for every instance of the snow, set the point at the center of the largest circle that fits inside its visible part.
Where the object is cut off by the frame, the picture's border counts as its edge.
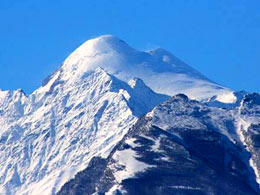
(114, 190)
(156, 145)
(165, 158)
(84, 110)
(186, 188)
(181, 113)
(256, 170)
(127, 159)
(166, 75)
(53, 133)
(132, 143)
(166, 121)
(247, 116)
(242, 126)
(180, 116)
(227, 98)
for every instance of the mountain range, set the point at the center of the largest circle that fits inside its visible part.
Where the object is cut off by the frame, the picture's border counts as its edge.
(115, 120)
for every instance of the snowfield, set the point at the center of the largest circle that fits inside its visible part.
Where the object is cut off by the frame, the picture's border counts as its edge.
(49, 136)
(159, 69)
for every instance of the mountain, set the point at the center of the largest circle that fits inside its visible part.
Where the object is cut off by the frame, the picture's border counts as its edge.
(81, 113)
(159, 69)
(50, 135)
(249, 128)
(229, 100)
(181, 147)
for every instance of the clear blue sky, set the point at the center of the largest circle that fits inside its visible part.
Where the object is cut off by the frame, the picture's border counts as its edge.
(220, 38)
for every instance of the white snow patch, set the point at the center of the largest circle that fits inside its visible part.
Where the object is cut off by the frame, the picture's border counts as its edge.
(156, 145)
(227, 98)
(243, 123)
(253, 165)
(147, 137)
(242, 126)
(132, 143)
(185, 187)
(114, 189)
(131, 166)
(166, 158)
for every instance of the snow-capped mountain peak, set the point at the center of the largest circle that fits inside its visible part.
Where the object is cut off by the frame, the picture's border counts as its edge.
(85, 108)
(104, 51)
(159, 69)
(47, 137)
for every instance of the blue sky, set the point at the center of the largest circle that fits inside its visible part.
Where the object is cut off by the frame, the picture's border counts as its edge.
(220, 38)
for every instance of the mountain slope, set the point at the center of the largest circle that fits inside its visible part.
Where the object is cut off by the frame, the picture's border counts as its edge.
(82, 111)
(180, 147)
(11, 107)
(160, 70)
(249, 128)
(54, 132)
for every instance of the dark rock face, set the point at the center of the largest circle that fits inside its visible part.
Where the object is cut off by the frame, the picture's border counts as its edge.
(181, 147)
(87, 180)
(195, 166)
(250, 113)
